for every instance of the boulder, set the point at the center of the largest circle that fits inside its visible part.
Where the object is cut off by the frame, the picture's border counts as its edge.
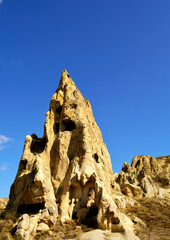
(42, 227)
(148, 187)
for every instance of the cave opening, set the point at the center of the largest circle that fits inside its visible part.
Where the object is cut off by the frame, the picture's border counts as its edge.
(96, 157)
(59, 109)
(74, 216)
(115, 220)
(91, 217)
(56, 128)
(68, 125)
(23, 164)
(38, 145)
(30, 208)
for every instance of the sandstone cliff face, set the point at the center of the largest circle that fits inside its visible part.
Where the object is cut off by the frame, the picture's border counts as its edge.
(66, 174)
(146, 177)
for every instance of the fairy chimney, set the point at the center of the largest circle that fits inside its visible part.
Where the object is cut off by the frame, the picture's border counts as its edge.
(67, 173)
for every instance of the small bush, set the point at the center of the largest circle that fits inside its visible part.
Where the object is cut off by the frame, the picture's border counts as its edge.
(86, 100)
(163, 180)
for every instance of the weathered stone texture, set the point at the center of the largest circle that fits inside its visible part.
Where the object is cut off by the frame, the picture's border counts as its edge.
(146, 177)
(67, 173)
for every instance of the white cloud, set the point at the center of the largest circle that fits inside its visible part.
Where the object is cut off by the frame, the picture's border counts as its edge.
(1, 1)
(3, 168)
(3, 140)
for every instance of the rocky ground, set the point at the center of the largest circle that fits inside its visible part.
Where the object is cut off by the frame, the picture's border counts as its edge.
(155, 214)
(69, 230)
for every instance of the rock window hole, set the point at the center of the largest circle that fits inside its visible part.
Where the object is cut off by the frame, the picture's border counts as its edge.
(96, 157)
(38, 145)
(68, 75)
(59, 109)
(68, 125)
(23, 164)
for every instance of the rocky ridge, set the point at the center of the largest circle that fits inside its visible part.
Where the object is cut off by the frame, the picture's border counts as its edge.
(145, 177)
(67, 175)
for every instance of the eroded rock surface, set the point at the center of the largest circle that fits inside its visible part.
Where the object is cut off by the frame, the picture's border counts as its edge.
(145, 177)
(66, 174)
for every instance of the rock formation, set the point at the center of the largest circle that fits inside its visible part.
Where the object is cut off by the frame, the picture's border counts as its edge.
(146, 177)
(66, 174)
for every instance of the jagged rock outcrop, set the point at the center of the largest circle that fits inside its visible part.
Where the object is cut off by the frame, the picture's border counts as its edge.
(145, 177)
(66, 174)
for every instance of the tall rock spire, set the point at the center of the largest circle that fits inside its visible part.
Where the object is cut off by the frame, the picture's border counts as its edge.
(67, 173)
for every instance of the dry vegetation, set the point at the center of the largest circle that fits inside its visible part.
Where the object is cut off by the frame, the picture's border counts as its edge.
(162, 180)
(69, 230)
(155, 213)
(7, 223)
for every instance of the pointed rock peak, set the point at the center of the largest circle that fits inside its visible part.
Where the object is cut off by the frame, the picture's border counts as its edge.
(65, 73)
(67, 174)
(65, 79)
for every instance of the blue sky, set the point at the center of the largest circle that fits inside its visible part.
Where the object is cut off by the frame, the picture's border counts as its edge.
(118, 54)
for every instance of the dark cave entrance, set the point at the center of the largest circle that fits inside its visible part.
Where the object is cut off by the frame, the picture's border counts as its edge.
(38, 145)
(96, 157)
(30, 208)
(68, 125)
(23, 164)
(56, 128)
(59, 109)
(91, 217)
